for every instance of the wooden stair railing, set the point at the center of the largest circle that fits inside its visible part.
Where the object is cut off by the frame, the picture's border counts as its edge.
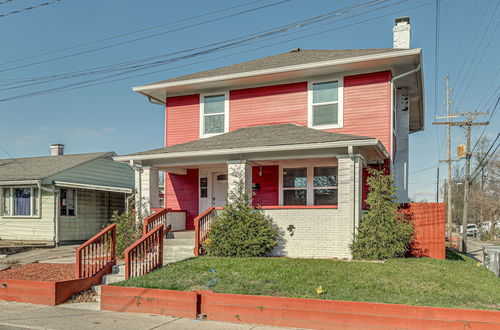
(146, 254)
(202, 224)
(96, 253)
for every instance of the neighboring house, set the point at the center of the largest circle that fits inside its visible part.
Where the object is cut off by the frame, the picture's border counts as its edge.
(302, 126)
(61, 198)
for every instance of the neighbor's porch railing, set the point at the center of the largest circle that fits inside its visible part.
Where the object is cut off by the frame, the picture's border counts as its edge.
(146, 254)
(202, 224)
(96, 253)
(160, 216)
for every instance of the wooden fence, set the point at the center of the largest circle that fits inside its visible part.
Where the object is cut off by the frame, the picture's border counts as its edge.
(146, 254)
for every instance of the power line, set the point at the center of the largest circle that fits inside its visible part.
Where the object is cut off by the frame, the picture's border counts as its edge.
(19, 163)
(29, 8)
(257, 36)
(143, 38)
(484, 161)
(484, 129)
(89, 83)
(127, 33)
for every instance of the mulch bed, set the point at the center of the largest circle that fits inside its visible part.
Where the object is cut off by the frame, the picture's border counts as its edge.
(40, 272)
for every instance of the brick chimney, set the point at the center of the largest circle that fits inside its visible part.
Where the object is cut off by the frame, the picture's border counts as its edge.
(402, 33)
(56, 149)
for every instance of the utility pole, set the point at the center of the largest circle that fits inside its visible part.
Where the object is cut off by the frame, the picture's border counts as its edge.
(437, 185)
(449, 215)
(471, 116)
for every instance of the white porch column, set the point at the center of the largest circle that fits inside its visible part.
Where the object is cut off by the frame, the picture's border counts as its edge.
(401, 149)
(350, 175)
(147, 186)
(238, 168)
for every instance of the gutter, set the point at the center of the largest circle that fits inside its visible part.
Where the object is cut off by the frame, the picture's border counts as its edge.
(406, 73)
(218, 152)
(305, 66)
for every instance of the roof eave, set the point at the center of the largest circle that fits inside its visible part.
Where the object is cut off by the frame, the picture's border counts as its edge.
(248, 150)
(315, 65)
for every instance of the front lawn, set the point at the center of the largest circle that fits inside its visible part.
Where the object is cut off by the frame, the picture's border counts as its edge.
(456, 282)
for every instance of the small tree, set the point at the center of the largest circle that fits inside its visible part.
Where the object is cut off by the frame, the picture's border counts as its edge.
(128, 230)
(240, 230)
(383, 232)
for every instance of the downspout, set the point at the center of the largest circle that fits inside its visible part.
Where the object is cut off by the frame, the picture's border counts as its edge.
(56, 211)
(350, 151)
(139, 189)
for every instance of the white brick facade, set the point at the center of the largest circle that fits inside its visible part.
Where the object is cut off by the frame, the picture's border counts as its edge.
(324, 232)
(147, 180)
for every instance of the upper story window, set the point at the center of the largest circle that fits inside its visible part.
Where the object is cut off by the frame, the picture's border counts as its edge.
(20, 201)
(213, 115)
(325, 104)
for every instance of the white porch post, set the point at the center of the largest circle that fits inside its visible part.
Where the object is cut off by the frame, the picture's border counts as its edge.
(147, 185)
(234, 170)
(350, 177)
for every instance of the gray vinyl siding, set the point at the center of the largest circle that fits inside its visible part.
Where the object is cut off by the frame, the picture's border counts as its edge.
(34, 229)
(101, 172)
(94, 210)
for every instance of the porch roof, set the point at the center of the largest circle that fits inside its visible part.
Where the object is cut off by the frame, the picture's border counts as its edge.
(259, 139)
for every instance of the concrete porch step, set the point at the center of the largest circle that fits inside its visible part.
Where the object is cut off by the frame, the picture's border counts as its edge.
(181, 234)
(112, 278)
(179, 248)
(179, 241)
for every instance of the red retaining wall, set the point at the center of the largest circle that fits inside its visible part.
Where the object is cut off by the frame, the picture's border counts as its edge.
(293, 312)
(150, 301)
(429, 220)
(48, 293)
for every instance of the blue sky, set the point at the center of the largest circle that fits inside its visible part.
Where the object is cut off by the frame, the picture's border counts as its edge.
(112, 117)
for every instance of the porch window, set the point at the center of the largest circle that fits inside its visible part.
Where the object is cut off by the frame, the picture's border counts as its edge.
(20, 201)
(325, 185)
(295, 186)
(214, 114)
(325, 110)
(68, 202)
(312, 185)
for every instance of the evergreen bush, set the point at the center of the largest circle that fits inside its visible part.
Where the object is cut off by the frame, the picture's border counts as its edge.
(239, 230)
(128, 230)
(383, 232)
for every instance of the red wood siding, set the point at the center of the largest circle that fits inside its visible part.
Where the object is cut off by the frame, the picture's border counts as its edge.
(267, 195)
(182, 119)
(268, 105)
(367, 106)
(182, 194)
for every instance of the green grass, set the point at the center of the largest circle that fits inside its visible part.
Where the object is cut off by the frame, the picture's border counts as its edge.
(456, 282)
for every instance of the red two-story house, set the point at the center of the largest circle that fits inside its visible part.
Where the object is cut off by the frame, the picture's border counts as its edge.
(302, 126)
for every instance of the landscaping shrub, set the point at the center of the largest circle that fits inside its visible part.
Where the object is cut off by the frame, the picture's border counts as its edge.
(128, 230)
(240, 230)
(383, 232)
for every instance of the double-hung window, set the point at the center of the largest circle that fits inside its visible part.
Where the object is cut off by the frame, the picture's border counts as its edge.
(20, 201)
(68, 202)
(311, 185)
(213, 115)
(325, 106)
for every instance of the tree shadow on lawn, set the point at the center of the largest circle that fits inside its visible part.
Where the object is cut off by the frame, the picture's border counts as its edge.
(452, 254)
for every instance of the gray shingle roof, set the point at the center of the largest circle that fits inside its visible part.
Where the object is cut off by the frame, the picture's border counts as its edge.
(258, 136)
(37, 168)
(282, 60)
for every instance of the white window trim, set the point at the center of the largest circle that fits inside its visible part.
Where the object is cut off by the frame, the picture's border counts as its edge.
(202, 113)
(76, 203)
(340, 102)
(11, 202)
(310, 184)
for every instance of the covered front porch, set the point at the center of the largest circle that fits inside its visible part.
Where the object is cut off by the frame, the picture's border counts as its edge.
(313, 191)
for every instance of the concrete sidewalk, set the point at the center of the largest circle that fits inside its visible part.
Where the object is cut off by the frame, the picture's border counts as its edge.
(28, 316)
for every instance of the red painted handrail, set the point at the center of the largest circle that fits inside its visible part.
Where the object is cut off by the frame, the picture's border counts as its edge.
(160, 216)
(96, 253)
(202, 225)
(146, 254)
